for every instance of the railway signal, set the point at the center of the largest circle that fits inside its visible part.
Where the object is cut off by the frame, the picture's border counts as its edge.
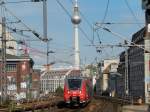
(3, 76)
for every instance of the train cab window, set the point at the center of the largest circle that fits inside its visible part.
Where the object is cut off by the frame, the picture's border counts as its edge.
(74, 84)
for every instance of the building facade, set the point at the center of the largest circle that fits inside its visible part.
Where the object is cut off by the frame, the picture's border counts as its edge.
(136, 66)
(106, 69)
(51, 80)
(136, 78)
(18, 71)
(9, 43)
(121, 80)
(36, 83)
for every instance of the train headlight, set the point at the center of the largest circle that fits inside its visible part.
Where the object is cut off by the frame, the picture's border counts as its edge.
(68, 92)
(80, 92)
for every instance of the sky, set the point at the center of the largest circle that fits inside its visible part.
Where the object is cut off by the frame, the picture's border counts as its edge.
(60, 28)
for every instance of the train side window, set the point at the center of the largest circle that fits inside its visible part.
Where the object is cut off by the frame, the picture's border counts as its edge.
(87, 88)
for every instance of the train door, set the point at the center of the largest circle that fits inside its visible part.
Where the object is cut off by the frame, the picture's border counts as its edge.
(87, 91)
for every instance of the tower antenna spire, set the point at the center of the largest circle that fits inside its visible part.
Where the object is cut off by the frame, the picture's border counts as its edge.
(76, 3)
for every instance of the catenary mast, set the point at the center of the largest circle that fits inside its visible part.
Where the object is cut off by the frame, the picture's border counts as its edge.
(76, 21)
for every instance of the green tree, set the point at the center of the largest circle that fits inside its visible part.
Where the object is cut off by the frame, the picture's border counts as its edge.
(31, 63)
(93, 69)
(59, 90)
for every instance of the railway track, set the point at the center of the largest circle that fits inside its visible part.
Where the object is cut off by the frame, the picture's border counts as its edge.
(114, 100)
(56, 104)
(96, 105)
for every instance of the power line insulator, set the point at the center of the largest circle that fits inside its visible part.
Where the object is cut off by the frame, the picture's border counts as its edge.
(37, 0)
(98, 50)
(14, 30)
(10, 47)
(21, 42)
(125, 42)
(45, 39)
(36, 34)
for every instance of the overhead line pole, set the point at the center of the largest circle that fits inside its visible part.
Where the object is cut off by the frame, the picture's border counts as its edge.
(4, 75)
(126, 73)
(45, 30)
(45, 19)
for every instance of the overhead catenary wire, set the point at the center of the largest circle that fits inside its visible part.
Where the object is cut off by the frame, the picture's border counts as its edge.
(86, 36)
(62, 6)
(115, 45)
(61, 44)
(90, 25)
(103, 20)
(44, 53)
(122, 37)
(25, 1)
(106, 12)
(107, 56)
(116, 23)
(18, 32)
(86, 20)
(130, 9)
(80, 28)
(15, 30)
(11, 26)
(33, 31)
(17, 18)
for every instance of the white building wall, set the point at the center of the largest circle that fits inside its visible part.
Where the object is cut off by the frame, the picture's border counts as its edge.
(105, 82)
(9, 43)
(50, 82)
(107, 62)
(104, 79)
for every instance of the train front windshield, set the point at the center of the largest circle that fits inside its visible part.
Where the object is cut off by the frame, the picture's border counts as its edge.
(74, 84)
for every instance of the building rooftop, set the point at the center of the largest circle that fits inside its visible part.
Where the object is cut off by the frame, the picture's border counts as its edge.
(139, 35)
(61, 72)
(10, 57)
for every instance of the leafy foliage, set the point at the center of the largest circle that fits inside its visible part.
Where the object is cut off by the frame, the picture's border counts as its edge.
(93, 69)
(59, 90)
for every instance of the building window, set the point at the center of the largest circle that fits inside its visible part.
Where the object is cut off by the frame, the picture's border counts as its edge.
(11, 67)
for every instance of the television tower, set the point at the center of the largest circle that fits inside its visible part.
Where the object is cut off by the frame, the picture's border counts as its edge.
(76, 21)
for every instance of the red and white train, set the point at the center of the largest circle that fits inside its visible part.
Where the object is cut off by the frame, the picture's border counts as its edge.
(78, 90)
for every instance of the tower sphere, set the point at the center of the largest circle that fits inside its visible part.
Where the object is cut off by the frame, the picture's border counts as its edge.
(76, 19)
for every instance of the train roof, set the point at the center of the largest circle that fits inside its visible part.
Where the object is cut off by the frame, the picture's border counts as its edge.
(77, 77)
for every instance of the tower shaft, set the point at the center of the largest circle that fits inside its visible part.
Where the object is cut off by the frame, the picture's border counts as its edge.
(76, 21)
(77, 52)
